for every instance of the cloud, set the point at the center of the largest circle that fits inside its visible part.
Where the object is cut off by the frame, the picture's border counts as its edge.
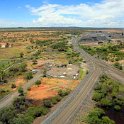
(108, 13)
(14, 23)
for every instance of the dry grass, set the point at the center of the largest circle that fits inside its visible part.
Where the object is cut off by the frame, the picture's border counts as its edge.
(12, 52)
(122, 50)
(18, 82)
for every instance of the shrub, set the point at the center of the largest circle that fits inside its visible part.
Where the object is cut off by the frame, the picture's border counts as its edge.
(118, 65)
(21, 55)
(107, 120)
(29, 89)
(13, 86)
(29, 75)
(56, 99)
(34, 61)
(20, 91)
(97, 96)
(23, 119)
(94, 116)
(60, 46)
(19, 104)
(36, 111)
(47, 103)
(2, 91)
(38, 82)
(63, 93)
(105, 102)
(117, 107)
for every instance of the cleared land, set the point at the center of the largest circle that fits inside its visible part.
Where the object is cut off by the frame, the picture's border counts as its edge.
(49, 87)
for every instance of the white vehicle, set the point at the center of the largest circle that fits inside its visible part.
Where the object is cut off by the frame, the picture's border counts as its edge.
(34, 71)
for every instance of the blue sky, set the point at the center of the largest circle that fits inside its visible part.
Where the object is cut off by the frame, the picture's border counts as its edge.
(83, 13)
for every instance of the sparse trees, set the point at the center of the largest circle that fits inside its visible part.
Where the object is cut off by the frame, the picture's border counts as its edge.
(97, 116)
(107, 95)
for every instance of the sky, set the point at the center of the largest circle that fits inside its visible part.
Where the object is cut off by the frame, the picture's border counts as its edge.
(62, 13)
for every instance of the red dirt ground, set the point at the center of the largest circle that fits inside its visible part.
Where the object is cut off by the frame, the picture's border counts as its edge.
(49, 87)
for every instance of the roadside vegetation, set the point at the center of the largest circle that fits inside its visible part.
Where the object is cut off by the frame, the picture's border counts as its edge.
(109, 52)
(24, 112)
(109, 96)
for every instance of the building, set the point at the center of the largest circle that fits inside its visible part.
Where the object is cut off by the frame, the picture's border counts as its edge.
(5, 45)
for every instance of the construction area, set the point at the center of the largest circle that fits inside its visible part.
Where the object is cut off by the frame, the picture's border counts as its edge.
(64, 71)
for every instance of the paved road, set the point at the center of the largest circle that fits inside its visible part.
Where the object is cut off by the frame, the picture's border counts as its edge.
(108, 69)
(7, 100)
(65, 113)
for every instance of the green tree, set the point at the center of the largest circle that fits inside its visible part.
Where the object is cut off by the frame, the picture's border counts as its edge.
(47, 103)
(20, 104)
(97, 96)
(63, 93)
(23, 119)
(97, 116)
(106, 102)
(107, 120)
(94, 117)
(37, 111)
(21, 91)
(56, 99)
(6, 115)
(29, 75)
(117, 107)
(22, 67)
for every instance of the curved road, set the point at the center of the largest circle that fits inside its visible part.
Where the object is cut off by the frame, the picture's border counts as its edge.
(65, 113)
